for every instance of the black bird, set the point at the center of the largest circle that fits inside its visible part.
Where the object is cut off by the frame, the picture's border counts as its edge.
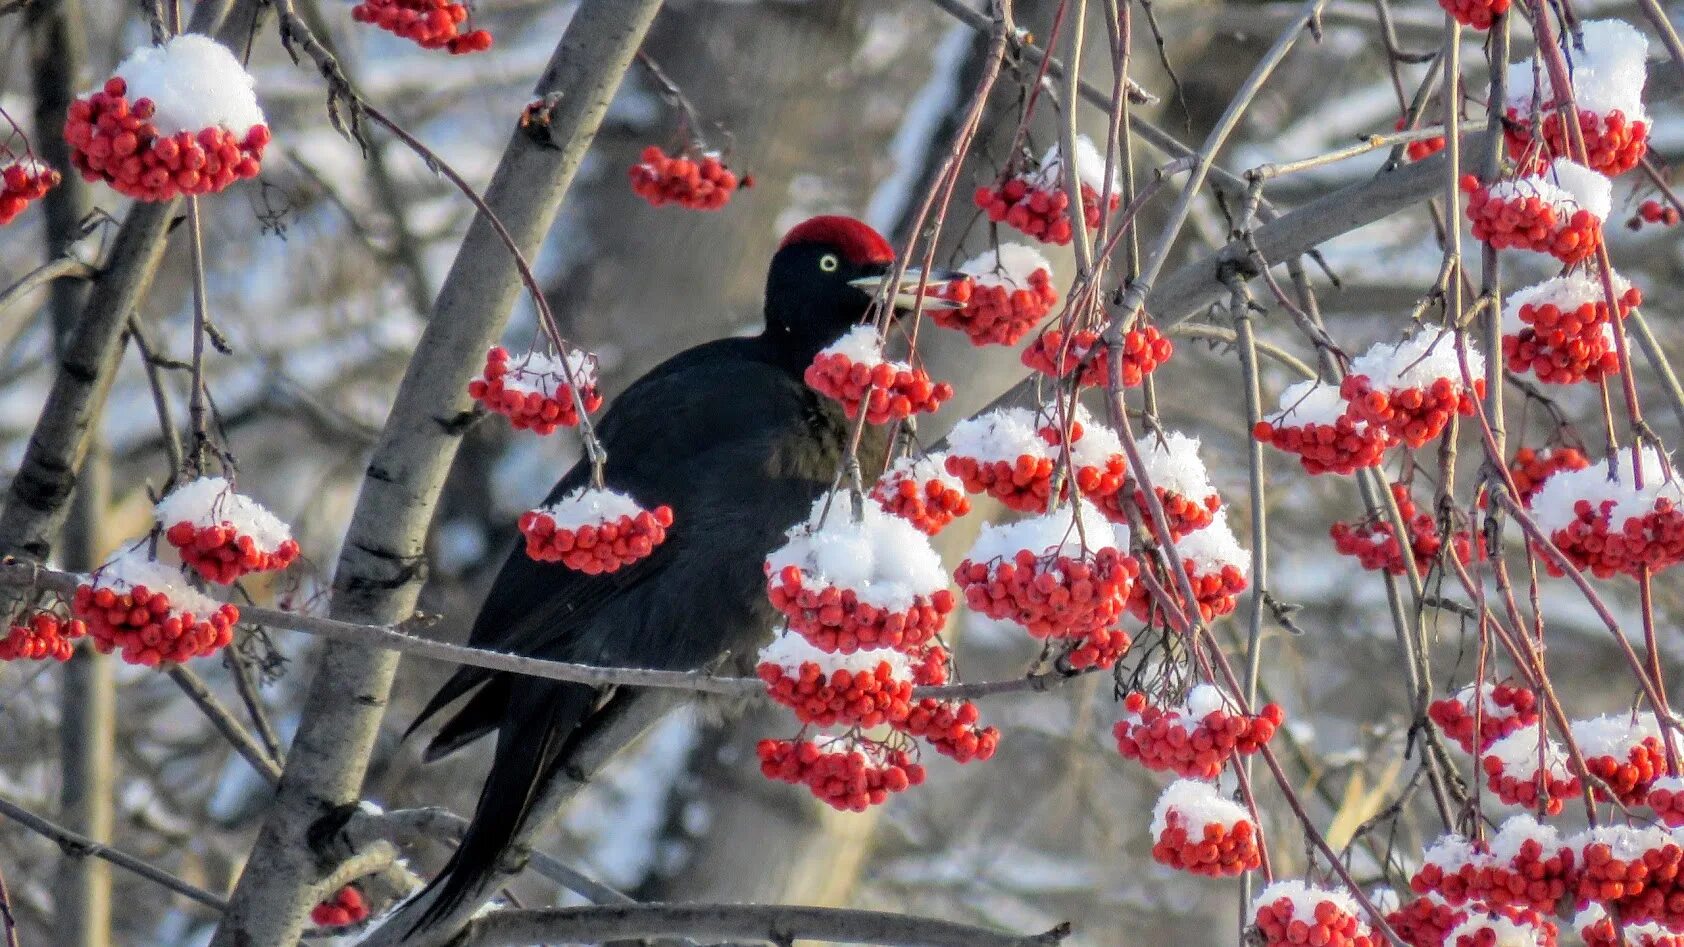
(730, 437)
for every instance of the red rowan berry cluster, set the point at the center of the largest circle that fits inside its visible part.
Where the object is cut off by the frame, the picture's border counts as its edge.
(1530, 468)
(1179, 479)
(1632, 872)
(1560, 330)
(1413, 388)
(1292, 913)
(1424, 922)
(1002, 454)
(950, 728)
(1624, 753)
(1217, 568)
(1597, 929)
(1375, 545)
(1649, 212)
(1097, 649)
(1144, 349)
(1424, 148)
(1609, 526)
(40, 635)
(699, 183)
(1666, 797)
(430, 24)
(1036, 202)
(1503, 927)
(1450, 869)
(222, 534)
(533, 390)
(1005, 292)
(1195, 829)
(1315, 423)
(1514, 771)
(594, 531)
(1038, 573)
(922, 492)
(848, 585)
(345, 908)
(1196, 739)
(1607, 76)
(864, 688)
(1475, 14)
(23, 180)
(853, 371)
(1614, 143)
(146, 610)
(1506, 708)
(854, 778)
(930, 665)
(1558, 212)
(1526, 865)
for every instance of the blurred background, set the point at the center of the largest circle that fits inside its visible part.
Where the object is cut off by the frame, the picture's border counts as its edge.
(322, 274)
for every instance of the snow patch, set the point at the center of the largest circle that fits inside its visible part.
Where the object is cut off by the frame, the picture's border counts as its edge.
(1311, 402)
(133, 566)
(1199, 804)
(195, 82)
(1172, 463)
(1051, 534)
(886, 561)
(1417, 361)
(590, 507)
(1010, 266)
(211, 501)
(790, 651)
(1215, 547)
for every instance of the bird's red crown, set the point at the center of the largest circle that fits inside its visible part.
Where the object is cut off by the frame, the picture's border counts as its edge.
(857, 241)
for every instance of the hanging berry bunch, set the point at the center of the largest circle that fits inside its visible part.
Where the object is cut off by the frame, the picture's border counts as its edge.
(39, 634)
(430, 24)
(1650, 211)
(1034, 200)
(181, 118)
(1450, 868)
(1425, 921)
(1504, 708)
(1317, 424)
(1560, 331)
(1530, 468)
(1095, 460)
(922, 492)
(1633, 872)
(847, 775)
(1606, 524)
(950, 728)
(1056, 354)
(221, 534)
(1413, 388)
(1195, 739)
(1597, 929)
(1558, 211)
(1195, 829)
(1373, 542)
(345, 908)
(1529, 770)
(699, 181)
(594, 530)
(146, 610)
(1505, 927)
(1002, 454)
(1048, 575)
(1526, 865)
(1608, 74)
(534, 390)
(1475, 14)
(1623, 752)
(1291, 913)
(1217, 567)
(865, 688)
(1419, 150)
(1005, 293)
(1179, 479)
(1666, 797)
(853, 371)
(22, 180)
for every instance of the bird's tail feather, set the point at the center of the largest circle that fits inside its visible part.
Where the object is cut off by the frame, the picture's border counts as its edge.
(538, 726)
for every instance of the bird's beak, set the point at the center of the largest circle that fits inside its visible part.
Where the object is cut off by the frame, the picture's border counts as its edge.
(906, 292)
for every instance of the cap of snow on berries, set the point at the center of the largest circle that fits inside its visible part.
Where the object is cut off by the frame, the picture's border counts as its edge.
(1213, 548)
(133, 567)
(886, 561)
(1053, 535)
(1567, 293)
(1005, 434)
(590, 508)
(1199, 804)
(1309, 906)
(1564, 185)
(1011, 266)
(544, 374)
(1608, 73)
(1310, 402)
(1518, 755)
(1090, 168)
(1496, 930)
(791, 651)
(194, 83)
(1172, 463)
(1417, 362)
(1554, 505)
(211, 501)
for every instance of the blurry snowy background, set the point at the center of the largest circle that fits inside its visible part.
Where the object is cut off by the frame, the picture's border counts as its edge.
(321, 275)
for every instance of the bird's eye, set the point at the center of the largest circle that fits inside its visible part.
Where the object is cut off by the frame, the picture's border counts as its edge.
(829, 263)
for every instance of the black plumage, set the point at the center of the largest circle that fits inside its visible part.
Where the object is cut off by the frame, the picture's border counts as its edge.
(729, 436)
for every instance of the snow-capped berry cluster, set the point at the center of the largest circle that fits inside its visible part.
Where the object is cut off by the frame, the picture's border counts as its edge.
(39, 635)
(175, 119)
(1611, 526)
(1666, 797)
(1217, 567)
(1559, 329)
(1144, 349)
(1450, 869)
(1315, 423)
(1608, 75)
(1530, 468)
(345, 908)
(1097, 463)
(1526, 865)
(1422, 149)
(1197, 830)
(1193, 740)
(146, 609)
(699, 183)
(853, 778)
(533, 390)
(23, 180)
(1523, 773)
(1558, 211)
(1624, 753)
(430, 24)
(1424, 922)
(853, 371)
(594, 531)
(1503, 927)
(862, 688)
(1179, 479)
(1476, 14)
(1291, 913)
(1650, 211)
(847, 584)
(1411, 389)
(1374, 543)
(1035, 202)
(222, 534)
(950, 728)
(922, 492)
(1048, 576)
(1633, 871)
(1005, 292)
(1002, 454)
(1505, 708)
(1597, 929)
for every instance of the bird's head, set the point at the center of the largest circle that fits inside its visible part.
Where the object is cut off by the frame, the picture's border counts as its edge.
(823, 278)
